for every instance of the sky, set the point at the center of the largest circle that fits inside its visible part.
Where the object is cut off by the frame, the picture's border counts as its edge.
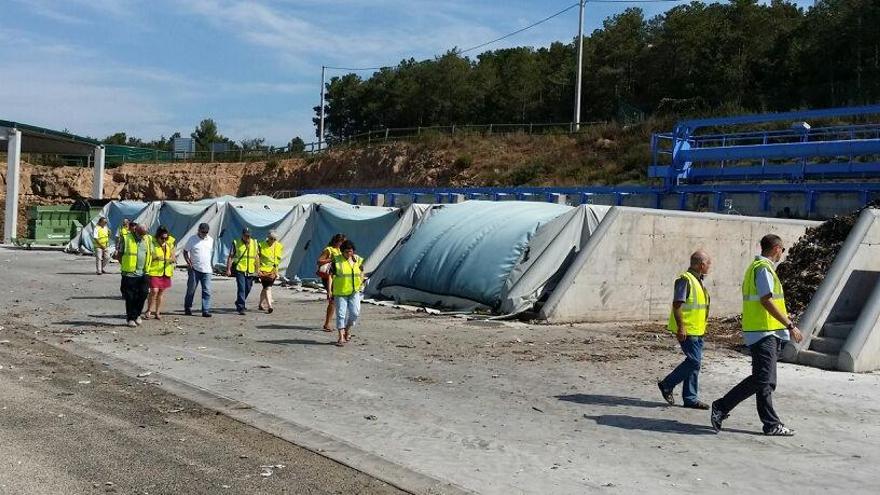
(154, 67)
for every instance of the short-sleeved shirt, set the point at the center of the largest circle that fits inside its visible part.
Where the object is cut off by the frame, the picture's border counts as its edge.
(682, 288)
(200, 252)
(764, 282)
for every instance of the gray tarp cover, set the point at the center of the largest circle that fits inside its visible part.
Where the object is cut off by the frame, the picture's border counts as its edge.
(501, 256)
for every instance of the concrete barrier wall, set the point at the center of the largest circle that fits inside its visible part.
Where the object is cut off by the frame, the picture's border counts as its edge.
(860, 254)
(627, 269)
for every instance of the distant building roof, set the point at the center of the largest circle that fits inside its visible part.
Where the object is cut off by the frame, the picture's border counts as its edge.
(41, 140)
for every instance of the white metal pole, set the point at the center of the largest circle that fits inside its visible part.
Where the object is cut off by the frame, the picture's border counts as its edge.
(321, 125)
(13, 169)
(580, 67)
(98, 179)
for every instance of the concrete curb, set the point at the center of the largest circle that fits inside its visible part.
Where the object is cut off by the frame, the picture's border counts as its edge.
(335, 449)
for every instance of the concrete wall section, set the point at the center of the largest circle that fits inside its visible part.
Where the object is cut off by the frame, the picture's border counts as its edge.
(627, 269)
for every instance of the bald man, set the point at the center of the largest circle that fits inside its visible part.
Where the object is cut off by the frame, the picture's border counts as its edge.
(687, 321)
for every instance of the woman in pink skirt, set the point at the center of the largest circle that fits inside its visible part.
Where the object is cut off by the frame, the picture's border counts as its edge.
(160, 267)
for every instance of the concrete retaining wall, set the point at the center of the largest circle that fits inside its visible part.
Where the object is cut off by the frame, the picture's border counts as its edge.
(849, 292)
(627, 269)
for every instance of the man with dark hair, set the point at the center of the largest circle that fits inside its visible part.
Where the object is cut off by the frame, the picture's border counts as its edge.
(243, 260)
(766, 328)
(687, 320)
(199, 255)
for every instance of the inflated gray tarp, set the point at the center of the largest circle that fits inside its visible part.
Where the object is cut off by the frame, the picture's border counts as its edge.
(497, 256)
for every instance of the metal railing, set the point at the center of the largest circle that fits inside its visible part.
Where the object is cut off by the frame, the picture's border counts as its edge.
(401, 133)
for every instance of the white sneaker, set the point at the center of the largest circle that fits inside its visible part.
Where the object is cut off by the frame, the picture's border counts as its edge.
(132, 323)
(138, 321)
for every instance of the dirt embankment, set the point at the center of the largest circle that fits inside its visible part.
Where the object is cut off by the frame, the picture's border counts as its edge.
(601, 155)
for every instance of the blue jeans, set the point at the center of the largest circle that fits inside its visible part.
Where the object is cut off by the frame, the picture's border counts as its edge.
(688, 372)
(243, 283)
(348, 309)
(193, 280)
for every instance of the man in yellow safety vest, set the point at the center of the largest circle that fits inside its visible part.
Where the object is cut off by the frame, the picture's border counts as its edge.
(243, 260)
(101, 246)
(766, 328)
(687, 320)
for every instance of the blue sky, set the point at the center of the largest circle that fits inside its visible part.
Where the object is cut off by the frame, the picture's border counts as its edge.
(153, 67)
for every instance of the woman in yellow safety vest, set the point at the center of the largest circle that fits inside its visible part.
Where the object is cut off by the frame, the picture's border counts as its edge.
(160, 268)
(271, 251)
(325, 261)
(346, 286)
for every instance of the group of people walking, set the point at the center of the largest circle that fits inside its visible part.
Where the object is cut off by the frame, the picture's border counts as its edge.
(766, 328)
(147, 264)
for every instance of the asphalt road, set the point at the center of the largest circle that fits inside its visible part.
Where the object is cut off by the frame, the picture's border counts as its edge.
(74, 426)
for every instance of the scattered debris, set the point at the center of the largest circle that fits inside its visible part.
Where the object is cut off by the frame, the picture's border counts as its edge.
(536, 409)
(144, 374)
(810, 258)
(84, 382)
(370, 417)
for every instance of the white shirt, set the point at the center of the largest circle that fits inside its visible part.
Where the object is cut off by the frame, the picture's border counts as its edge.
(201, 251)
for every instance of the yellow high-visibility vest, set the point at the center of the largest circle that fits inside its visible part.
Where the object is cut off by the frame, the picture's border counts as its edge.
(349, 277)
(245, 256)
(102, 239)
(161, 259)
(694, 311)
(128, 263)
(755, 318)
(270, 256)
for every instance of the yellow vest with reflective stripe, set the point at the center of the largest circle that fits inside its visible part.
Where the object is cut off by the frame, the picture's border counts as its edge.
(348, 279)
(128, 262)
(694, 311)
(755, 318)
(161, 259)
(244, 256)
(270, 256)
(103, 236)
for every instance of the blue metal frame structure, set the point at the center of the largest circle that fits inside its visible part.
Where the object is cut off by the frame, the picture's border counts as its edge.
(800, 160)
(795, 154)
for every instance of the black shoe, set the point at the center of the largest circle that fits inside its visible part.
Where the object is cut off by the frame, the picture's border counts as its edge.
(716, 417)
(779, 431)
(188, 312)
(697, 405)
(241, 312)
(206, 315)
(270, 310)
(667, 394)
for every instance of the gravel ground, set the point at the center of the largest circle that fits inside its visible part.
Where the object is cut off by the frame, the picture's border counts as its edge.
(72, 426)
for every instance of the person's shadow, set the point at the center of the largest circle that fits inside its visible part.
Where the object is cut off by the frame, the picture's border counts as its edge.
(650, 424)
(609, 400)
(296, 342)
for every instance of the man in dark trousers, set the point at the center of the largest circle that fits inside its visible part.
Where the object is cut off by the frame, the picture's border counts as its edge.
(133, 253)
(766, 328)
(688, 320)
(243, 260)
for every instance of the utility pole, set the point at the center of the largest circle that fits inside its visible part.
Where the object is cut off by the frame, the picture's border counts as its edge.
(321, 125)
(580, 67)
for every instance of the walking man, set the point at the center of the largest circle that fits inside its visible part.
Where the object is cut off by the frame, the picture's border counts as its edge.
(242, 261)
(101, 246)
(133, 259)
(199, 254)
(766, 328)
(688, 319)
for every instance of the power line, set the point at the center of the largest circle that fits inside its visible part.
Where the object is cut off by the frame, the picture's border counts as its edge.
(530, 26)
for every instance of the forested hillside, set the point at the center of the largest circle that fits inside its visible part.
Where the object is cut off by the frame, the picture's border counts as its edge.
(694, 59)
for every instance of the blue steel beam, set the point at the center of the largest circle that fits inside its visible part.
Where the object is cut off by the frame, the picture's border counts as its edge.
(780, 150)
(782, 116)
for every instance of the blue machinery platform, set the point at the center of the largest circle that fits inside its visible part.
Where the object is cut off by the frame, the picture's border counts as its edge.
(775, 164)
